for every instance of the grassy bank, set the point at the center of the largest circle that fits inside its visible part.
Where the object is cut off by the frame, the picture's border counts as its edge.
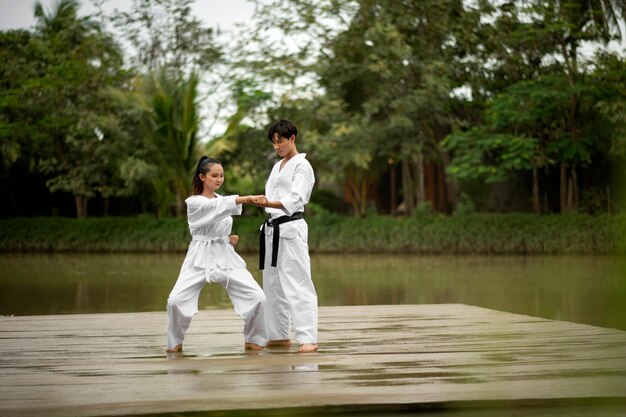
(477, 233)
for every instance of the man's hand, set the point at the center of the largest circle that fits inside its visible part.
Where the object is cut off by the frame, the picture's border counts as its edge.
(233, 239)
(258, 200)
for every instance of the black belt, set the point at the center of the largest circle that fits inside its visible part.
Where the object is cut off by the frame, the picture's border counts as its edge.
(275, 224)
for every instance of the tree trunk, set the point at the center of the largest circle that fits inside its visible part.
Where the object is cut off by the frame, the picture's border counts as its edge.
(180, 204)
(563, 187)
(452, 189)
(351, 196)
(574, 187)
(569, 188)
(570, 195)
(393, 191)
(355, 192)
(81, 206)
(419, 176)
(365, 191)
(407, 188)
(536, 203)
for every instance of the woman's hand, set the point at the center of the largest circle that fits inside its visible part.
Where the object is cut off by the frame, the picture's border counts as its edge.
(233, 239)
(258, 200)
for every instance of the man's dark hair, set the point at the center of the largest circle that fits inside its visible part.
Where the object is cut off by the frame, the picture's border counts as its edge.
(284, 128)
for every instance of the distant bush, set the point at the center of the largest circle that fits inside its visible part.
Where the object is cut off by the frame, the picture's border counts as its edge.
(470, 233)
(102, 234)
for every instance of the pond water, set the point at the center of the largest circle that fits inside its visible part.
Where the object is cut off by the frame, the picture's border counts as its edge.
(582, 289)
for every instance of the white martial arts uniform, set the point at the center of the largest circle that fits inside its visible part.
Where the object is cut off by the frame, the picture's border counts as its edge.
(211, 258)
(288, 286)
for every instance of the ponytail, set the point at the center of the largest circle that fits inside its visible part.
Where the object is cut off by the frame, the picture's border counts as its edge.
(204, 166)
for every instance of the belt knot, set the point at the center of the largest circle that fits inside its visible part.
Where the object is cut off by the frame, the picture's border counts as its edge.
(275, 224)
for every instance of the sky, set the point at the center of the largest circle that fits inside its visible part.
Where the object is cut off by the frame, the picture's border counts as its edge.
(16, 14)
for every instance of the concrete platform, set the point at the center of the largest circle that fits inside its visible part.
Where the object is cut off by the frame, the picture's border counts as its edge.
(370, 358)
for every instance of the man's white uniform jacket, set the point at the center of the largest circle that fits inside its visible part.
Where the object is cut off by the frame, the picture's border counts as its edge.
(291, 186)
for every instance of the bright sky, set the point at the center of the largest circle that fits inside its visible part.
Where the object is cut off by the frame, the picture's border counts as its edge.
(224, 14)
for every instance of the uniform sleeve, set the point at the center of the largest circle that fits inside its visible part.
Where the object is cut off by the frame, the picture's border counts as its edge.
(302, 184)
(203, 211)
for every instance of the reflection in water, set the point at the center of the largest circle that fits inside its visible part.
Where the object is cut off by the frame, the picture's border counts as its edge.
(308, 367)
(585, 289)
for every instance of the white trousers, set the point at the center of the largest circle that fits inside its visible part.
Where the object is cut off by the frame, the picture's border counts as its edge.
(245, 294)
(289, 291)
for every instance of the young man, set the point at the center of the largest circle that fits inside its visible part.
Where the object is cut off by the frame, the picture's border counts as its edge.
(284, 255)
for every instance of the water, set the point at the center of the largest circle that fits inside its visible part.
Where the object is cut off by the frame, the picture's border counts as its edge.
(582, 289)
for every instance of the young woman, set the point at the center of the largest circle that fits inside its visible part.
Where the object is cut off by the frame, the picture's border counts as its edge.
(211, 258)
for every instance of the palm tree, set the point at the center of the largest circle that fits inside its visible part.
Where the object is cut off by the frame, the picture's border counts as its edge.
(66, 31)
(63, 17)
(172, 129)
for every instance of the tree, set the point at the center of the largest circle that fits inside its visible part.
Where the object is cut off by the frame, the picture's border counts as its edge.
(610, 77)
(180, 61)
(527, 79)
(21, 59)
(376, 82)
(166, 38)
(522, 129)
(386, 66)
(53, 108)
(171, 127)
(566, 24)
(243, 147)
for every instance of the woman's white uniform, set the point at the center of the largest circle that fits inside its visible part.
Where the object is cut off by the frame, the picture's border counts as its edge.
(211, 258)
(288, 287)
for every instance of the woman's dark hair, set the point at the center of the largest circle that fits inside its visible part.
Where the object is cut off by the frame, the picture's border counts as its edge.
(204, 166)
(284, 128)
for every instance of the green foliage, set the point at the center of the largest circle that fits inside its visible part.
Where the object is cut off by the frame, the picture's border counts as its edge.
(467, 233)
(19, 50)
(172, 121)
(525, 127)
(480, 154)
(243, 149)
(373, 85)
(142, 234)
(385, 70)
(54, 112)
(610, 78)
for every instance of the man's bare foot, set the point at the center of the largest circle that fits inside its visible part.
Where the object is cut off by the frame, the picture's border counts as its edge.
(177, 348)
(308, 348)
(252, 346)
(279, 343)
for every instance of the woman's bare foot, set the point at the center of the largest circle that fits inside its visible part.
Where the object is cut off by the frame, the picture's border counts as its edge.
(308, 348)
(279, 343)
(177, 348)
(252, 346)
